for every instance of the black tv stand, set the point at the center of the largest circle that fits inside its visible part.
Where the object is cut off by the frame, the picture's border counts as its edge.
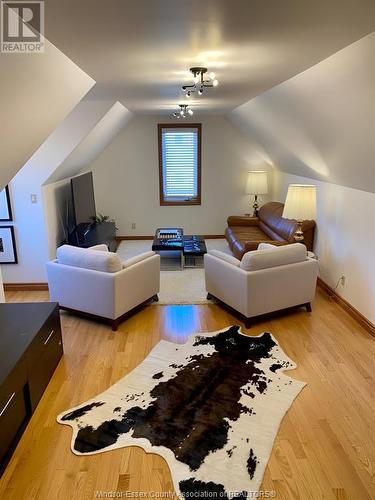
(88, 235)
(83, 228)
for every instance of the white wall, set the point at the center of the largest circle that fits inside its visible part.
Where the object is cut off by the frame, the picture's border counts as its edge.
(345, 238)
(321, 123)
(126, 178)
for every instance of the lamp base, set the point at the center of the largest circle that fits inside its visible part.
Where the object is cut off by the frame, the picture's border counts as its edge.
(255, 206)
(298, 235)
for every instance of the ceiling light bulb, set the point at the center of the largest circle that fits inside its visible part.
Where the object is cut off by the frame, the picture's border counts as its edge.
(211, 75)
(215, 83)
(200, 91)
(188, 94)
(190, 111)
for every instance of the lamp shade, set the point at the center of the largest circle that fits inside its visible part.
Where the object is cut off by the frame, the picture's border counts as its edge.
(257, 182)
(300, 203)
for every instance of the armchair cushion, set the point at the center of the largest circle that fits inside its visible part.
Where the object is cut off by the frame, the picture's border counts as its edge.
(226, 257)
(266, 246)
(273, 257)
(137, 258)
(108, 262)
(100, 248)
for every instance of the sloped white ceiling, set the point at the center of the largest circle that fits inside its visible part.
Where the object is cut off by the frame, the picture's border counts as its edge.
(139, 51)
(62, 142)
(37, 91)
(98, 138)
(321, 123)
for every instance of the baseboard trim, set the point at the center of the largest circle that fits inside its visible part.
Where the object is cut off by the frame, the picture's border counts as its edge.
(25, 287)
(352, 311)
(132, 238)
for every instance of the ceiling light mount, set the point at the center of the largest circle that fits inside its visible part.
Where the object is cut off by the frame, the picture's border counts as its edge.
(184, 111)
(200, 83)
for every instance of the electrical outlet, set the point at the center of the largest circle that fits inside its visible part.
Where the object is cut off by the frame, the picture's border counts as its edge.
(342, 280)
(133, 225)
(33, 198)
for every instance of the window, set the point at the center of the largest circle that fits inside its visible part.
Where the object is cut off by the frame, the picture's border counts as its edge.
(180, 164)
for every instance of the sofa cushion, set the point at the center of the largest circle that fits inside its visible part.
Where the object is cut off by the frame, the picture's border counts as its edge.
(243, 239)
(271, 215)
(250, 233)
(273, 257)
(271, 233)
(137, 258)
(224, 256)
(108, 262)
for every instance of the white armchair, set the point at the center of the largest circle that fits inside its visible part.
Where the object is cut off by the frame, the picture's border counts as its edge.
(265, 280)
(96, 282)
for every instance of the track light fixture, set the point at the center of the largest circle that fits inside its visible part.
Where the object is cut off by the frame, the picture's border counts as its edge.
(199, 81)
(184, 111)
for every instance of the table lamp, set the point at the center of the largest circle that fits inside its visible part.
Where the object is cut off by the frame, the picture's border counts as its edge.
(256, 185)
(300, 205)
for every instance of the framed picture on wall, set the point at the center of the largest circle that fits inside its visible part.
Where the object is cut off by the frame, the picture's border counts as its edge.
(5, 208)
(8, 251)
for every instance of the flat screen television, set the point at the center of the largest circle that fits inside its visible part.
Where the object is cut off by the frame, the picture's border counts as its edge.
(83, 199)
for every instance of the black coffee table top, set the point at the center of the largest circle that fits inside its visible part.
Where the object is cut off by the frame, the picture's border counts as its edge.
(19, 324)
(167, 239)
(173, 239)
(194, 245)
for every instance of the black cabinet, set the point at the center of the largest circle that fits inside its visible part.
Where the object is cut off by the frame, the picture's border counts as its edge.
(30, 349)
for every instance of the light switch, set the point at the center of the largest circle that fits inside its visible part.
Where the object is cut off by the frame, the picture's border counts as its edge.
(33, 198)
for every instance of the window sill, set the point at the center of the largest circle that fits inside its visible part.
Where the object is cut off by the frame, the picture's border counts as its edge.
(166, 202)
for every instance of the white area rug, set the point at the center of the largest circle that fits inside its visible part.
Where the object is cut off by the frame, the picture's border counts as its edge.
(176, 287)
(211, 408)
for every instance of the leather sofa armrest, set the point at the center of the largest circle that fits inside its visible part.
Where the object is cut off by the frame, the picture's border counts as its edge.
(242, 220)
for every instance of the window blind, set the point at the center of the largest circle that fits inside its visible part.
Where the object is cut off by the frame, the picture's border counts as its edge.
(180, 163)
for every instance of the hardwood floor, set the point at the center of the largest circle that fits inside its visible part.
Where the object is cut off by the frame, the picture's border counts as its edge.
(325, 448)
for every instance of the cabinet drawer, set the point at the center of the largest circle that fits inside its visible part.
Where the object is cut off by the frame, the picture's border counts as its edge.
(13, 414)
(42, 371)
(15, 381)
(50, 329)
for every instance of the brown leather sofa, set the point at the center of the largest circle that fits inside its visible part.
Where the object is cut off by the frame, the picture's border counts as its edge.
(245, 233)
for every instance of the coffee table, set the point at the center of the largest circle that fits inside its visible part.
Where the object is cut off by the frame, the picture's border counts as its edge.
(190, 247)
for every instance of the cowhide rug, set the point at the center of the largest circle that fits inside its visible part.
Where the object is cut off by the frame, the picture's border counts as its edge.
(210, 407)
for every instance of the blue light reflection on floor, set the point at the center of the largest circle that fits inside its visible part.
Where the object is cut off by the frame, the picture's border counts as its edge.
(180, 321)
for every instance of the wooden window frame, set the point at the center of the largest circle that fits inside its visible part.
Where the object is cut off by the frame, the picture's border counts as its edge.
(198, 199)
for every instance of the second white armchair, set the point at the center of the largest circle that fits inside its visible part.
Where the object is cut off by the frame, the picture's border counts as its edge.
(265, 280)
